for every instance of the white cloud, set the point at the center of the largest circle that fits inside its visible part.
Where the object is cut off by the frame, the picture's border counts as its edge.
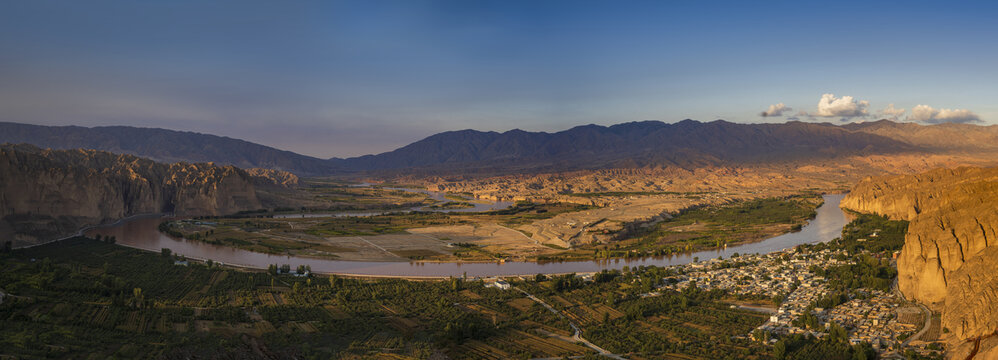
(775, 110)
(890, 112)
(845, 107)
(928, 114)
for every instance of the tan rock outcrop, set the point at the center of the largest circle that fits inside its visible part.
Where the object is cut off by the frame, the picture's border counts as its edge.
(951, 248)
(47, 194)
(274, 177)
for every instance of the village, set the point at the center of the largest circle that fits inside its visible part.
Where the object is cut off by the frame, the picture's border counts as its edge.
(870, 316)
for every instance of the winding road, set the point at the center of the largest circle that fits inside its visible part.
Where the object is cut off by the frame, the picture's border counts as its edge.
(578, 332)
(928, 323)
(925, 310)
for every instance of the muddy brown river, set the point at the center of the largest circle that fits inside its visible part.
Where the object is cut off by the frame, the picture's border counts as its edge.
(142, 233)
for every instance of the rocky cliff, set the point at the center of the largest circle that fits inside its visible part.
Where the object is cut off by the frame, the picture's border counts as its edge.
(47, 194)
(951, 248)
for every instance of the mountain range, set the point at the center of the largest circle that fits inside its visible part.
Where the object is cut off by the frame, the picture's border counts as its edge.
(164, 146)
(685, 144)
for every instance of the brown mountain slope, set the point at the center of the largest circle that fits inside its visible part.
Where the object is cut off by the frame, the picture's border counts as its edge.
(46, 194)
(939, 137)
(686, 144)
(163, 145)
(951, 248)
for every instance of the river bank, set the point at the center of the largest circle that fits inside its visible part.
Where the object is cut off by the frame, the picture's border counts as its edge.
(143, 234)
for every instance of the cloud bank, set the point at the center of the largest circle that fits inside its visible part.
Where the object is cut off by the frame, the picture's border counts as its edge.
(845, 107)
(776, 110)
(890, 112)
(928, 114)
(848, 108)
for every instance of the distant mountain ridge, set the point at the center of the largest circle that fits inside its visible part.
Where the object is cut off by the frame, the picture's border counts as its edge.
(164, 146)
(945, 136)
(685, 144)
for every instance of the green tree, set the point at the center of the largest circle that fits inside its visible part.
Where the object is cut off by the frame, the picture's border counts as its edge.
(780, 349)
(837, 333)
(863, 351)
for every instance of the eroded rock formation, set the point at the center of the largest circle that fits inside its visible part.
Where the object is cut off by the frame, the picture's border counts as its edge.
(951, 249)
(47, 194)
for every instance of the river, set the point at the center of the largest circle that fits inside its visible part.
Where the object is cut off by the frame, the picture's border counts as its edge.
(142, 233)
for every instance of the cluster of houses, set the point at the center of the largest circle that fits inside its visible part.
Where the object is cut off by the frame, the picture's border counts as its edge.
(778, 273)
(871, 319)
(796, 305)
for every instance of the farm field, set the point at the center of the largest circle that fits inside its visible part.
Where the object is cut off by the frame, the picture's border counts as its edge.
(325, 194)
(699, 227)
(400, 236)
(82, 297)
(526, 231)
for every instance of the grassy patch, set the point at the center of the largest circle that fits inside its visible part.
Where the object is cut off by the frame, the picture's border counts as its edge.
(632, 193)
(704, 227)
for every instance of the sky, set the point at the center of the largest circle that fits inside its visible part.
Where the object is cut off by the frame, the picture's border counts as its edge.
(346, 78)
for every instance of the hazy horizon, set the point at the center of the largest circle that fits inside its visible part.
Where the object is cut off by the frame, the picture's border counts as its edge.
(341, 79)
(498, 131)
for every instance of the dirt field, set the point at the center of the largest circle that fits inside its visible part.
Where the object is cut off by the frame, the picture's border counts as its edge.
(568, 229)
(396, 247)
(531, 232)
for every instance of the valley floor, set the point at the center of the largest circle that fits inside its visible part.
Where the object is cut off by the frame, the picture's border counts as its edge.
(86, 297)
(633, 226)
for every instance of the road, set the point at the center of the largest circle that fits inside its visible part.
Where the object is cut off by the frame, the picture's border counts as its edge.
(521, 234)
(759, 309)
(928, 322)
(925, 310)
(577, 337)
(379, 247)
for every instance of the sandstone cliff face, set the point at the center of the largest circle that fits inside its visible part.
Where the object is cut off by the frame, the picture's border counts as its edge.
(951, 249)
(274, 177)
(47, 194)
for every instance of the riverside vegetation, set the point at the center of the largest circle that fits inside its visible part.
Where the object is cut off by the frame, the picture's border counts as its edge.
(431, 235)
(82, 297)
(87, 298)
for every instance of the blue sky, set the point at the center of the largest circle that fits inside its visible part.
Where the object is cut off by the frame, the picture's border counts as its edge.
(330, 78)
